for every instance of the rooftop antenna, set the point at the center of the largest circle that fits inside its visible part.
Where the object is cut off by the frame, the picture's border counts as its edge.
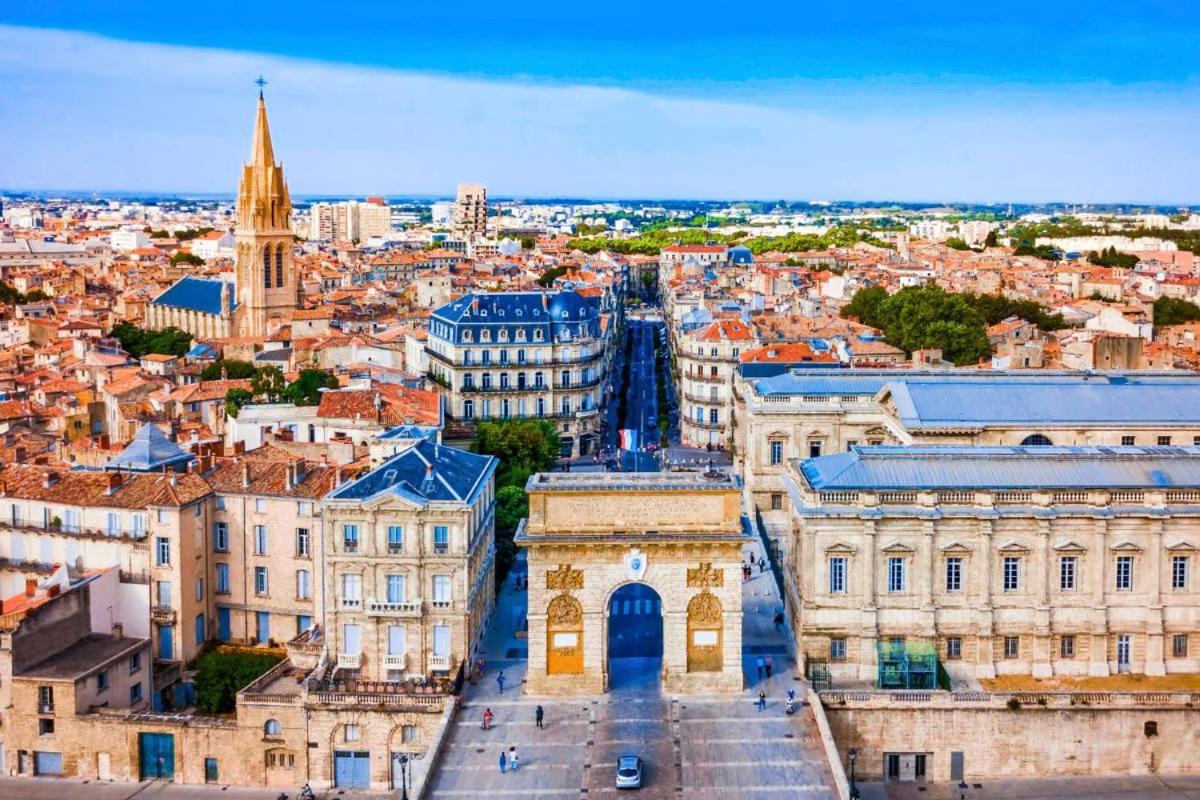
(261, 83)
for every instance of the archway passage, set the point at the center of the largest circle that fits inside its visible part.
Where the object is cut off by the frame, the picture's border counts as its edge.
(635, 637)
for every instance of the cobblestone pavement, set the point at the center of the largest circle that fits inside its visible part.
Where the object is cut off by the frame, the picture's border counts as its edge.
(701, 748)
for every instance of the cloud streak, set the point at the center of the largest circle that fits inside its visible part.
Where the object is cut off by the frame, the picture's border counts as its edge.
(87, 112)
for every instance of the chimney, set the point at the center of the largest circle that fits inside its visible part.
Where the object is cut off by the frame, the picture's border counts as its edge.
(49, 479)
(118, 631)
(239, 448)
(114, 482)
(20, 454)
(224, 373)
(30, 587)
(245, 474)
(291, 476)
(173, 477)
(337, 480)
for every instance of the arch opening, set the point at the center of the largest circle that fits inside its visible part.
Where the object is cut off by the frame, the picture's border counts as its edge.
(635, 637)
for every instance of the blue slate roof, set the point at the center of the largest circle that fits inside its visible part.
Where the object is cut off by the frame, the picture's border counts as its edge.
(409, 432)
(923, 403)
(457, 476)
(196, 294)
(555, 313)
(150, 451)
(890, 468)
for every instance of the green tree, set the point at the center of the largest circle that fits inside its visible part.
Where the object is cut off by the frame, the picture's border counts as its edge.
(512, 505)
(864, 306)
(268, 382)
(138, 342)
(234, 400)
(992, 240)
(551, 275)
(523, 447)
(183, 257)
(956, 243)
(220, 675)
(1112, 257)
(921, 317)
(234, 370)
(306, 389)
(1169, 311)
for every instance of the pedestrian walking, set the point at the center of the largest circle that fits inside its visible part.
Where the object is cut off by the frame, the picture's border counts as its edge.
(779, 620)
(503, 762)
(538, 713)
(762, 667)
(762, 565)
(770, 665)
(513, 762)
(762, 704)
(500, 681)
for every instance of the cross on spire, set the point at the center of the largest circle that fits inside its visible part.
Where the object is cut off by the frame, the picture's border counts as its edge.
(261, 83)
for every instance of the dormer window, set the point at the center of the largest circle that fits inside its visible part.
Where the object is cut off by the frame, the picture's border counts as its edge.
(537, 335)
(485, 335)
(520, 334)
(504, 334)
(466, 336)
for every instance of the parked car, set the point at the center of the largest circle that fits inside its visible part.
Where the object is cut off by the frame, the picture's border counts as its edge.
(629, 772)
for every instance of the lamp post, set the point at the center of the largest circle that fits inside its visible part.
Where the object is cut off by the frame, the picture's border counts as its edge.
(853, 754)
(403, 760)
(962, 790)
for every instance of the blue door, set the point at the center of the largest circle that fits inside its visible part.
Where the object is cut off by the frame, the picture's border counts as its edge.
(264, 626)
(166, 643)
(156, 755)
(224, 626)
(352, 769)
(47, 763)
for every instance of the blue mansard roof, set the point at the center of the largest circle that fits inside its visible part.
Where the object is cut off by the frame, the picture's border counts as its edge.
(196, 294)
(892, 468)
(554, 313)
(457, 476)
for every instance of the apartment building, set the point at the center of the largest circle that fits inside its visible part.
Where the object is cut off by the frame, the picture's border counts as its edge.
(409, 552)
(518, 355)
(1035, 561)
(349, 221)
(707, 359)
(471, 210)
(266, 574)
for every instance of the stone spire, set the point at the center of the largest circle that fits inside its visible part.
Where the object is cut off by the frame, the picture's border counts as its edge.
(263, 199)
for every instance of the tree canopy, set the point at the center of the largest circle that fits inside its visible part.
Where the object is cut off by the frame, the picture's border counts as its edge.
(523, 446)
(922, 317)
(220, 675)
(1112, 257)
(1169, 311)
(233, 368)
(551, 275)
(10, 296)
(268, 382)
(306, 389)
(138, 342)
(183, 257)
(652, 240)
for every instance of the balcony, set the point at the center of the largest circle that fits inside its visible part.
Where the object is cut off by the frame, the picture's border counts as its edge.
(441, 548)
(162, 615)
(709, 401)
(476, 364)
(350, 546)
(441, 605)
(350, 604)
(708, 426)
(349, 660)
(395, 661)
(386, 608)
(439, 663)
(45, 708)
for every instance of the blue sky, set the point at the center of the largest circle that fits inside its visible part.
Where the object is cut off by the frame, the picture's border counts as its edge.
(1022, 101)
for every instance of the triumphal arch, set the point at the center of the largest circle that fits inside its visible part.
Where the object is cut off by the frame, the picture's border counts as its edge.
(675, 539)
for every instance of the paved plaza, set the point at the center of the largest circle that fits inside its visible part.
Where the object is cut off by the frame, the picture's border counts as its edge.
(1145, 787)
(703, 748)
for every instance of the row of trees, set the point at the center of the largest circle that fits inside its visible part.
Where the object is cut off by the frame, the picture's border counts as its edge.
(1169, 311)
(523, 447)
(11, 297)
(651, 241)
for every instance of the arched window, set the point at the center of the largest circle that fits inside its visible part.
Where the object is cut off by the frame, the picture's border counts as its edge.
(266, 265)
(272, 728)
(1036, 440)
(279, 265)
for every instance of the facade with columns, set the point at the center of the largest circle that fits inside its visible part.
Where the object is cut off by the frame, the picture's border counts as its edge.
(267, 287)
(1040, 561)
(588, 535)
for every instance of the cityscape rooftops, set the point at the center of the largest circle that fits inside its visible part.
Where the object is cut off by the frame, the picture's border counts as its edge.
(426, 472)
(150, 451)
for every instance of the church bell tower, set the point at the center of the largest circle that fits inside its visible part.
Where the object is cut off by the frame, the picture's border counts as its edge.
(267, 283)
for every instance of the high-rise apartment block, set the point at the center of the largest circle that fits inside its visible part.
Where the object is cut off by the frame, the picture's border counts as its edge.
(471, 209)
(349, 221)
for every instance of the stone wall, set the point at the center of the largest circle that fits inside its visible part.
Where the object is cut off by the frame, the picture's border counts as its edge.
(1062, 737)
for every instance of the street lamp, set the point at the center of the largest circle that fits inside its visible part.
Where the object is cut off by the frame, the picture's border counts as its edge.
(403, 760)
(853, 754)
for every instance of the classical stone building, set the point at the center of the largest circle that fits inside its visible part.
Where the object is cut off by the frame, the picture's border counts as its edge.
(409, 564)
(267, 287)
(1008, 560)
(589, 535)
(708, 364)
(813, 412)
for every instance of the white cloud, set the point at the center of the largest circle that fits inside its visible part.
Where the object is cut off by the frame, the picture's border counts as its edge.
(80, 112)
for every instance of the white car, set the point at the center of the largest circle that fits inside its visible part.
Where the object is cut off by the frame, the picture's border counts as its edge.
(629, 772)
